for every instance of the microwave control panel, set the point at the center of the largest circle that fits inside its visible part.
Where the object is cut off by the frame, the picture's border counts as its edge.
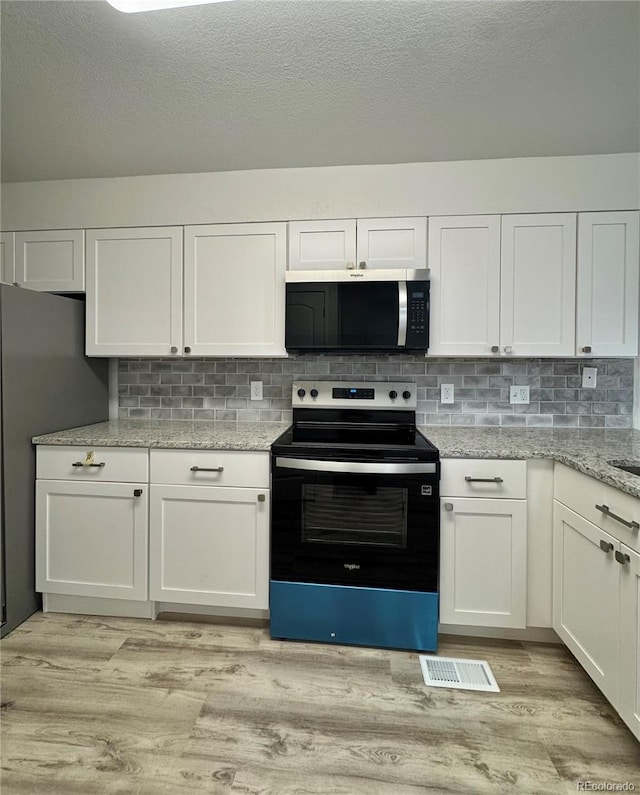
(417, 313)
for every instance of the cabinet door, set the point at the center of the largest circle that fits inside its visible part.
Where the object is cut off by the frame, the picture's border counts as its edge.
(391, 242)
(538, 285)
(234, 290)
(7, 240)
(91, 539)
(464, 258)
(51, 261)
(585, 596)
(209, 546)
(134, 292)
(322, 245)
(607, 322)
(483, 562)
(629, 665)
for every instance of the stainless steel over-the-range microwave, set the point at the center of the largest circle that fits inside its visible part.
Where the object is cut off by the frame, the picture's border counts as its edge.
(357, 311)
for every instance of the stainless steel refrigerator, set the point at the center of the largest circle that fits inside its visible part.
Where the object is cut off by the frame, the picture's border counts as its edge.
(46, 384)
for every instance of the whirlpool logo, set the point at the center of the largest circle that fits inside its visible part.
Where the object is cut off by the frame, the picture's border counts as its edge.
(351, 566)
(357, 275)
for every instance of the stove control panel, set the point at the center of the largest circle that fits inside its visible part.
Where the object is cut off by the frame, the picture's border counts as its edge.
(369, 394)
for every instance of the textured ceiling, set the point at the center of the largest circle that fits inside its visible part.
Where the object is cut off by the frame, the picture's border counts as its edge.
(90, 92)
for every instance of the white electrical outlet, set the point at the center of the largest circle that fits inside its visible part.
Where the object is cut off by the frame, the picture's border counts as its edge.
(256, 390)
(446, 393)
(518, 394)
(589, 377)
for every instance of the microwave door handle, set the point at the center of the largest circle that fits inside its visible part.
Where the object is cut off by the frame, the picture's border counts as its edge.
(402, 314)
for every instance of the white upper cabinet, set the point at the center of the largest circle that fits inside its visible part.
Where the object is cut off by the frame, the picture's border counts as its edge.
(322, 245)
(234, 290)
(464, 258)
(134, 292)
(537, 315)
(391, 242)
(50, 261)
(607, 306)
(7, 241)
(365, 243)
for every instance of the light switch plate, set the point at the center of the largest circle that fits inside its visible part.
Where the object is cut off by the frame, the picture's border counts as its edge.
(589, 377)
(518, 394)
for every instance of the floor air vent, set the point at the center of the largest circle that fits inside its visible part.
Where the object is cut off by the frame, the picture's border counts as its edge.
(461, 674)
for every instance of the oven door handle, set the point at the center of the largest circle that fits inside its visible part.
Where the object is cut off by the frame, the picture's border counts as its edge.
(357, 467)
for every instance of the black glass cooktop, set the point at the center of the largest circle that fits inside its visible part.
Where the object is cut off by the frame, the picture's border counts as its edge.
(361, 433)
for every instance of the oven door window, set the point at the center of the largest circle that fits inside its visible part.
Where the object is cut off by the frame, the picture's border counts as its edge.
(361, 515)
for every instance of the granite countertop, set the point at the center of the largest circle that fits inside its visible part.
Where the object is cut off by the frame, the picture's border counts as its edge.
(173, 434)
(587, 450)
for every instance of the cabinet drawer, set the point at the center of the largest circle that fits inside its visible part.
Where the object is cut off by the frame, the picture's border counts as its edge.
(123, 464)
(583, 493)
(483, 477)
(210, 468)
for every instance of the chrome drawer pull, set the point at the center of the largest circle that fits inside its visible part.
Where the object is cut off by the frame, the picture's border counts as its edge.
(469, 479)
(82, 464)
(605, 546)
(137, 492)
(448, 506)
(207, 469)
(605, 510)
(622, 558)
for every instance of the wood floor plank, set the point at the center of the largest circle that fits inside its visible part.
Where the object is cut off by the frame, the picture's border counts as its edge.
(406, 751)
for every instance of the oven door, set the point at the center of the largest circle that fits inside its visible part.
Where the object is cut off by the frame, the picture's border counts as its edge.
(363, 523)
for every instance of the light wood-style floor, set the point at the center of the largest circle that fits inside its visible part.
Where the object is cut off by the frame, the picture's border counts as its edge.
(106, 705)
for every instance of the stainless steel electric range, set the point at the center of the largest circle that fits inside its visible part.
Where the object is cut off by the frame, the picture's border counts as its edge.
(355, 519)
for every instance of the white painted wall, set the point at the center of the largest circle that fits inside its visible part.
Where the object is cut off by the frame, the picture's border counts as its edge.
(518, 185)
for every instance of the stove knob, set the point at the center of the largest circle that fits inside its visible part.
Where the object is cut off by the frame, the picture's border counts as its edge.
(393, 394)
(406, 395)
(301, 393)
(314, 393)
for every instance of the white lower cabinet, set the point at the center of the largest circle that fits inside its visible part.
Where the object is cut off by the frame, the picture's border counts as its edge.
(209, 545)
(586, 582)
(596, 585)
(483, 570)
(91, 538)
(483, 543)
(629, 661)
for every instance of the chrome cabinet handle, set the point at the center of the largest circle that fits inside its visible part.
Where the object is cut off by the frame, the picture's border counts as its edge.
(362, 265)
(174, 349)
(586, 349)
(402, 313)
(82, 464)
(495, 349)
(187, 349)
(630, 524)
(508, 349)
(469, 479)
(137, 492)
(622, 558)
(261, 497)
(605, 546)
(448, 506)
(207, 469)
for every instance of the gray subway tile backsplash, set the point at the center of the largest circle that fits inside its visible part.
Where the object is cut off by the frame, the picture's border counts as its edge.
(218, 389)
